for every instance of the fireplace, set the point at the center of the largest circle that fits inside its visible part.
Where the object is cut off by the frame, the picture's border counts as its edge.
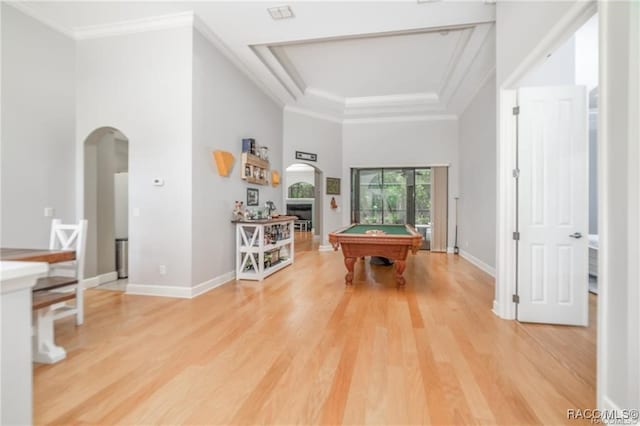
(303, 211)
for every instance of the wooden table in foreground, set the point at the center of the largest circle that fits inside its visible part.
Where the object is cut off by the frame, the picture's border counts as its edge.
(36, 255)
(42, 298)
(390, 241)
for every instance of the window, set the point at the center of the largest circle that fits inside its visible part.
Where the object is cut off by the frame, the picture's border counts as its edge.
(301, 190)
(393, 195)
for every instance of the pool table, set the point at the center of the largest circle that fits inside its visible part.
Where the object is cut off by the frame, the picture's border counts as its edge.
(390, 241)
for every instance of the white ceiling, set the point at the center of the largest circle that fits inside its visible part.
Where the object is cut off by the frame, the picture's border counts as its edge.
(361, 66)
(344, 61)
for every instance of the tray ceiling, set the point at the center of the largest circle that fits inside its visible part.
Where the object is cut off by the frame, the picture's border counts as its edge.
(341, 60)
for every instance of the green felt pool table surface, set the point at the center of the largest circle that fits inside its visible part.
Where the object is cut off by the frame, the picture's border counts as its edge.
(388, 229)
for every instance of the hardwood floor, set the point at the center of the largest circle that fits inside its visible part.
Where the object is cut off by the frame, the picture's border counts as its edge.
(301, 348)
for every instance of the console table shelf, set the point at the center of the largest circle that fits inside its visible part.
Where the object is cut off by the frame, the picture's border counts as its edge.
(263, 247)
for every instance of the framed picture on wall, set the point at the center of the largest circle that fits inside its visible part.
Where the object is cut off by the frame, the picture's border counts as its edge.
(253, 197)
(333, 186)
(307, 156)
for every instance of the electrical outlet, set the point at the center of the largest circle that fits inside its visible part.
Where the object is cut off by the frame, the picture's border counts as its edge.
(162, 269)
(49, 211)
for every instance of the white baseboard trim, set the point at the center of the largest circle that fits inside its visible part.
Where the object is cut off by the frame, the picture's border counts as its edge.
(479, 263)
(212, 283)
(159, 290)
(327, 247)
(180, 292)
(100, 279)
(450, 250)
(496, 308)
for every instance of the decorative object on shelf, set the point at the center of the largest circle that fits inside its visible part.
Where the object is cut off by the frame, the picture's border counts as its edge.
(224, 162)
(275, 178)
(238, 211)
(333, 186)
(334, 205)
(263, 153)
(253, 197)
(306, 156)
(249, 145)
(270, 206)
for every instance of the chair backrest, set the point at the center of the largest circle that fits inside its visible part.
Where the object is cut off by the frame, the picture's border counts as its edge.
(70, 237)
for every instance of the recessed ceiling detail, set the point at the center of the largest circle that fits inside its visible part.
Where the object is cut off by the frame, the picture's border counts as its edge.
(378, 75)
(342, 60)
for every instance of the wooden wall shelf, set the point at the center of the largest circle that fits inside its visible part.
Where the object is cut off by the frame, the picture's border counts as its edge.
(255, 169)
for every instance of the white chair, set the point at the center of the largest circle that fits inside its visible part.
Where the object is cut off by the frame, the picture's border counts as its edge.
(69, 237)
(52, 297)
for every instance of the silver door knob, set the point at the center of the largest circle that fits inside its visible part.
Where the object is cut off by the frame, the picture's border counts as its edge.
(576, 235)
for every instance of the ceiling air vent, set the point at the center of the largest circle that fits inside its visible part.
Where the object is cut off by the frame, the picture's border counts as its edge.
(281, 12)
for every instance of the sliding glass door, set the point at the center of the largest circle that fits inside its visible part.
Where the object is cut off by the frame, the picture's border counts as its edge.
(391, 196)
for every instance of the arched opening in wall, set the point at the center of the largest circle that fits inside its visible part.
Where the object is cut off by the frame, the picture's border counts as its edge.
(106, 207)
(303, 184)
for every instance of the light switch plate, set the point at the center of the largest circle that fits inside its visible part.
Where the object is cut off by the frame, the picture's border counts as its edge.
(49, 211)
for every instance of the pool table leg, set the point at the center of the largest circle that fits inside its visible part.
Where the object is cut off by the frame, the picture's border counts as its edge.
(349, 262)
(400, 265)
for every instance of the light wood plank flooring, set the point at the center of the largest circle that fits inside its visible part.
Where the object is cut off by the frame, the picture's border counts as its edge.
(300, 348)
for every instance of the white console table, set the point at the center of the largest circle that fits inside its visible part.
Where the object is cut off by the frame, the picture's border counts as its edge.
(263, 247)
(16, 281)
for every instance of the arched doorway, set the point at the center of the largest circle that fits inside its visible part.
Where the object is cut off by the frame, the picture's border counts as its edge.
(303, 198)
(106, 206)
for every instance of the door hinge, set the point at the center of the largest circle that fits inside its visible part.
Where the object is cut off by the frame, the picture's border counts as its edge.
(516, 236)
(516, 173)
(515, 298)
(516, 110)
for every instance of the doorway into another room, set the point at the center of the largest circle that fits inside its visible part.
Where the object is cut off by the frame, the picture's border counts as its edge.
(557, 191)
(303, 199)
(106, 207)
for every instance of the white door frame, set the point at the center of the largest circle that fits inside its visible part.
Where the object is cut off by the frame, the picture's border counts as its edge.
(610, 139)
(503, 305)
(606, 181)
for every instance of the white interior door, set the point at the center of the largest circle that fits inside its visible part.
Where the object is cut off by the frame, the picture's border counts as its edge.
(553, 206)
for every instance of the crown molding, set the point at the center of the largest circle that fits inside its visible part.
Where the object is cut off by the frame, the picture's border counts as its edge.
(30, 10)
(325, 96)
(400, 119)
(309, 113)
(409, 99)
(163, 22)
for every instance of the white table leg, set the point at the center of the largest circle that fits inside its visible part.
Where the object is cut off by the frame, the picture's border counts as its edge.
(45, 350)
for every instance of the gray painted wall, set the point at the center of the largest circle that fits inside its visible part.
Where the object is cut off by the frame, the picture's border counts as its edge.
(520, 25)
(408, 144)
(322, 137)
(141, 84)
(227, 107)
(38, 114)
(557, 70)
(477, 203)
